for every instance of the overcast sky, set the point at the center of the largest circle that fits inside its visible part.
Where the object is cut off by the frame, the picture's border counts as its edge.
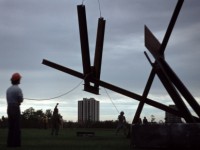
(33, 30)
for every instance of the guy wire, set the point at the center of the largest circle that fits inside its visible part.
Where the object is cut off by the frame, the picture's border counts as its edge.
(35, 99)
(83, 1)
(111, 100)
(99, 8)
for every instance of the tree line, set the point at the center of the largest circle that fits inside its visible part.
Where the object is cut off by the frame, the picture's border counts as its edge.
(31, 118)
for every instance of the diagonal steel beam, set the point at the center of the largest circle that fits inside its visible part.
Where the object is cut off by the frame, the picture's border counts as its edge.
(152, 45)
(144, 96)
(159, 49)
(166, 70)
(113, 88)
(180, 86)
(171, 26)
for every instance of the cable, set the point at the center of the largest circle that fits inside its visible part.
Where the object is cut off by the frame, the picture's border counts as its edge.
(35, 99)
(99, 8)
(111, 100)
(83, 1)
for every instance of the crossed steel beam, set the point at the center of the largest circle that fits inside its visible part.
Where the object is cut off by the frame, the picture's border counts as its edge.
(166, 74)
(91, 74)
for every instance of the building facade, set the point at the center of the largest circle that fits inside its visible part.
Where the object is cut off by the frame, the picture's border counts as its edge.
(88, 110)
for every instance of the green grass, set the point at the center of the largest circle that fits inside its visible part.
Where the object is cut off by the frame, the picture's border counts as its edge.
(40, 139)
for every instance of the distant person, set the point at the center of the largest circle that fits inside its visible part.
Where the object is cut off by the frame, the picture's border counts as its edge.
(45, 121)
(139, 121)
(61, 122)
(14, 97)
(121, 123)
(145, 121)
(55, 121)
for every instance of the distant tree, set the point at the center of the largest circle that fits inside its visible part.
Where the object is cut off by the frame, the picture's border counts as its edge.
(38, 114)
(48, 113)
(153, 118)
(28, 113)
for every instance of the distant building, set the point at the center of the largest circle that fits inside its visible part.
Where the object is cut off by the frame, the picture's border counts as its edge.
(88, 110)
(170, 118)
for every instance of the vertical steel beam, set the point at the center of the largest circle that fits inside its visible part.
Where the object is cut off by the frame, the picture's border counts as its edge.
(84, 41)
(99, 49)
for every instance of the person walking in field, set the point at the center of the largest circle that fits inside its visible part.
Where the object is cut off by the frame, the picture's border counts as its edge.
(55, 121)
(121, 123)
(14, 98)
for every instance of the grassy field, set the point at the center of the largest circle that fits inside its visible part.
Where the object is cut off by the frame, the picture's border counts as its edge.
(40, 139)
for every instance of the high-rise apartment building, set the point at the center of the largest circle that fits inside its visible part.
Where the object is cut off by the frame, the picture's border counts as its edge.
(88, 110)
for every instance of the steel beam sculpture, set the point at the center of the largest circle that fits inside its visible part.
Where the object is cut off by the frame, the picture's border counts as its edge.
(91, 74)
(167, 76)
(89, 70)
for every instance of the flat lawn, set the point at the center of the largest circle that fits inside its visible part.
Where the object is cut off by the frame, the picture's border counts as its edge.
(41, 139)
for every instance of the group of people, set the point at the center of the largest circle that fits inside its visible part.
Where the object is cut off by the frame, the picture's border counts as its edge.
(122, 123)
(144, 121)
(14, 98)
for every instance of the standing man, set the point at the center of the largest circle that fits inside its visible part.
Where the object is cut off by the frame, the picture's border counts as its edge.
(121, 123)
(55, 121)
(14, 97)
(145, 121)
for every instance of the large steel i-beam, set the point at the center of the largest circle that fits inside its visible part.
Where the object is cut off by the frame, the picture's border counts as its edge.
(84, 42)
(99, 50)
(167, 71)
(152, 43)
(114, 88)
(89, 70)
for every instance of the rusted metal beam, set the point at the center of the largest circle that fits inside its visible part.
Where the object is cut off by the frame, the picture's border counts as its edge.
(99, 50)
(180, 86)
(114, 88)
(144, 96)
(152, 44)
(63, 69)
(167, 83)
(84, 41)
(174, 95)
(168, 72)
(145, 92)
(171, 26)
